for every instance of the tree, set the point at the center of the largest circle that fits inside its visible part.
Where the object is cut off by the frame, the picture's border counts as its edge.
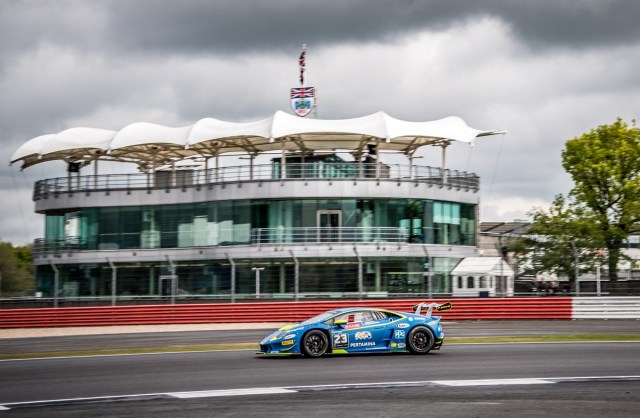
(599, 214)
(554, 239)
(16, 268)
(605, 167)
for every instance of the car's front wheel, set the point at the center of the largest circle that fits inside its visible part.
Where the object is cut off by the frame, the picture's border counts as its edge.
(420, 340)
(315, 343)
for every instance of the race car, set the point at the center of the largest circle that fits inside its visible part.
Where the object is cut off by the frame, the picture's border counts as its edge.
(360, 330)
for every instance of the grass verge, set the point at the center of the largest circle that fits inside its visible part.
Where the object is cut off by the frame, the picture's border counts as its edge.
(252, 346)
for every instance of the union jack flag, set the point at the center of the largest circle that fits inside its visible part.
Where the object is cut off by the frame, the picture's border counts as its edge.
(301, 92)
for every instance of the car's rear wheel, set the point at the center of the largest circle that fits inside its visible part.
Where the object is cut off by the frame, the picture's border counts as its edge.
(420, 340)
(315, 343)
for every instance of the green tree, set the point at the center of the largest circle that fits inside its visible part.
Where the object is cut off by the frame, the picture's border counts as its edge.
(16, 268)
(599, 214)
(554, 240)
(605, 167)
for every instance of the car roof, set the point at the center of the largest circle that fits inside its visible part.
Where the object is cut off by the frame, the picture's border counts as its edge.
(344, 310)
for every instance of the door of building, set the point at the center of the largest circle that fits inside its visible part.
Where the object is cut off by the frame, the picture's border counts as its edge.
(329, 223)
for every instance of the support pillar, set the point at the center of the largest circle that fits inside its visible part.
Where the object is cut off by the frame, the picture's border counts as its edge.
(296, 277)
(56, 283)
(114, 274)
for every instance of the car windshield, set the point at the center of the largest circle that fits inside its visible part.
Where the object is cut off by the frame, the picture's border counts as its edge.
(319, 318)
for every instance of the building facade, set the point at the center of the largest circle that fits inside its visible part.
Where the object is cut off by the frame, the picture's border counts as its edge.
(308, 222)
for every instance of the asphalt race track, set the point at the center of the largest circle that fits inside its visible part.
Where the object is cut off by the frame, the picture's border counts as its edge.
(556, 379)
(484, 328)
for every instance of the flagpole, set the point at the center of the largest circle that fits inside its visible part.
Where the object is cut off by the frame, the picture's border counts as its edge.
(303, 67)
(302, 63)
(301, 97)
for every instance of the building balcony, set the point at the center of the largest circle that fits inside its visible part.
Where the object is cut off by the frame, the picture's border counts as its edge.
(207, 178)
(257, 237)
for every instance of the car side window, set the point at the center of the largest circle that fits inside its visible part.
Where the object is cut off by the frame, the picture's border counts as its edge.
(366, 316)
(358, 316)
(361, 316)
(349, 316)
(392, 317)
(380, 315)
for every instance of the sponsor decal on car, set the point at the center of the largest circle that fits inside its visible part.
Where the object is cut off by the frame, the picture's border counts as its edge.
(363, 335)
(394, 345)
(287, 342)
(287, 337)
(402, 345)
(399, 334)
(340, 340)
(403, 325)
(352, 326)
(363, 344)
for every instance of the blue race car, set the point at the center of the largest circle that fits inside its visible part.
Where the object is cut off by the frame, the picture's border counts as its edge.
(360, 330)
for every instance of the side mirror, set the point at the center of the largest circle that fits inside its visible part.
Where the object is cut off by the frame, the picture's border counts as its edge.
(340, 322)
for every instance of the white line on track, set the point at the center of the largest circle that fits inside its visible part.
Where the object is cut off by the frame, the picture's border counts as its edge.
(492, 382)
(230, 392)
(296, 389)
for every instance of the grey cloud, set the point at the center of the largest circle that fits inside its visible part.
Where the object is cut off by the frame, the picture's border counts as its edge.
(227, 26)
(233, 27)
(28, 25)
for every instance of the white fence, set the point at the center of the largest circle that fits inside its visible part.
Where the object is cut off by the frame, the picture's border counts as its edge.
(606, 308)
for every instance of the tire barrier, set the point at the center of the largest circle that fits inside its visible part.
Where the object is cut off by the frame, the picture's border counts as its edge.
(463, 309)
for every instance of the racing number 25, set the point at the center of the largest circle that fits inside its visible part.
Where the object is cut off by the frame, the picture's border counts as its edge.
(340, 340)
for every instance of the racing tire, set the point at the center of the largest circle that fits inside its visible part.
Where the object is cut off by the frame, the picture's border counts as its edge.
(420, 340)
(315, 343)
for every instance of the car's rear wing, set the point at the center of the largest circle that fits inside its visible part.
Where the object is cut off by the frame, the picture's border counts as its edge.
(439, 307)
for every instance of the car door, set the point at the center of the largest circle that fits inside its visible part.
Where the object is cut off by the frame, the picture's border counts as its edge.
(362, 332)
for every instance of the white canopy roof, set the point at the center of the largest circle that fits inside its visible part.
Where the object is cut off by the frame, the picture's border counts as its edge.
(143, 143)
(482, 266)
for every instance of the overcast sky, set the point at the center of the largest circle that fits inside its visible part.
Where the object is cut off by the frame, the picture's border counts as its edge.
(543, 70)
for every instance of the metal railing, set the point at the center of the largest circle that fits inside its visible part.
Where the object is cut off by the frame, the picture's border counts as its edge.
(246, 173)
(318, 235)
(258, 236)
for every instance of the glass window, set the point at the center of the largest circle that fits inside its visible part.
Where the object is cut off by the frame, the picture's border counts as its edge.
(468, 224)
(446, 212)
(357, 316)
(225, 223)
(242, 222)
(380, 315)
(54, 227)
(109, 225)
(130, 224)
(89, 229)
(231, 223)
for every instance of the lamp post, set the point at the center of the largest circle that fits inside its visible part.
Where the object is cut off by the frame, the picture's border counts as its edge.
(257, 270)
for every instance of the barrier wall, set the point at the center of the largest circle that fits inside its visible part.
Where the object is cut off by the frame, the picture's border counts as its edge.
(606, 308)
(463, 309)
